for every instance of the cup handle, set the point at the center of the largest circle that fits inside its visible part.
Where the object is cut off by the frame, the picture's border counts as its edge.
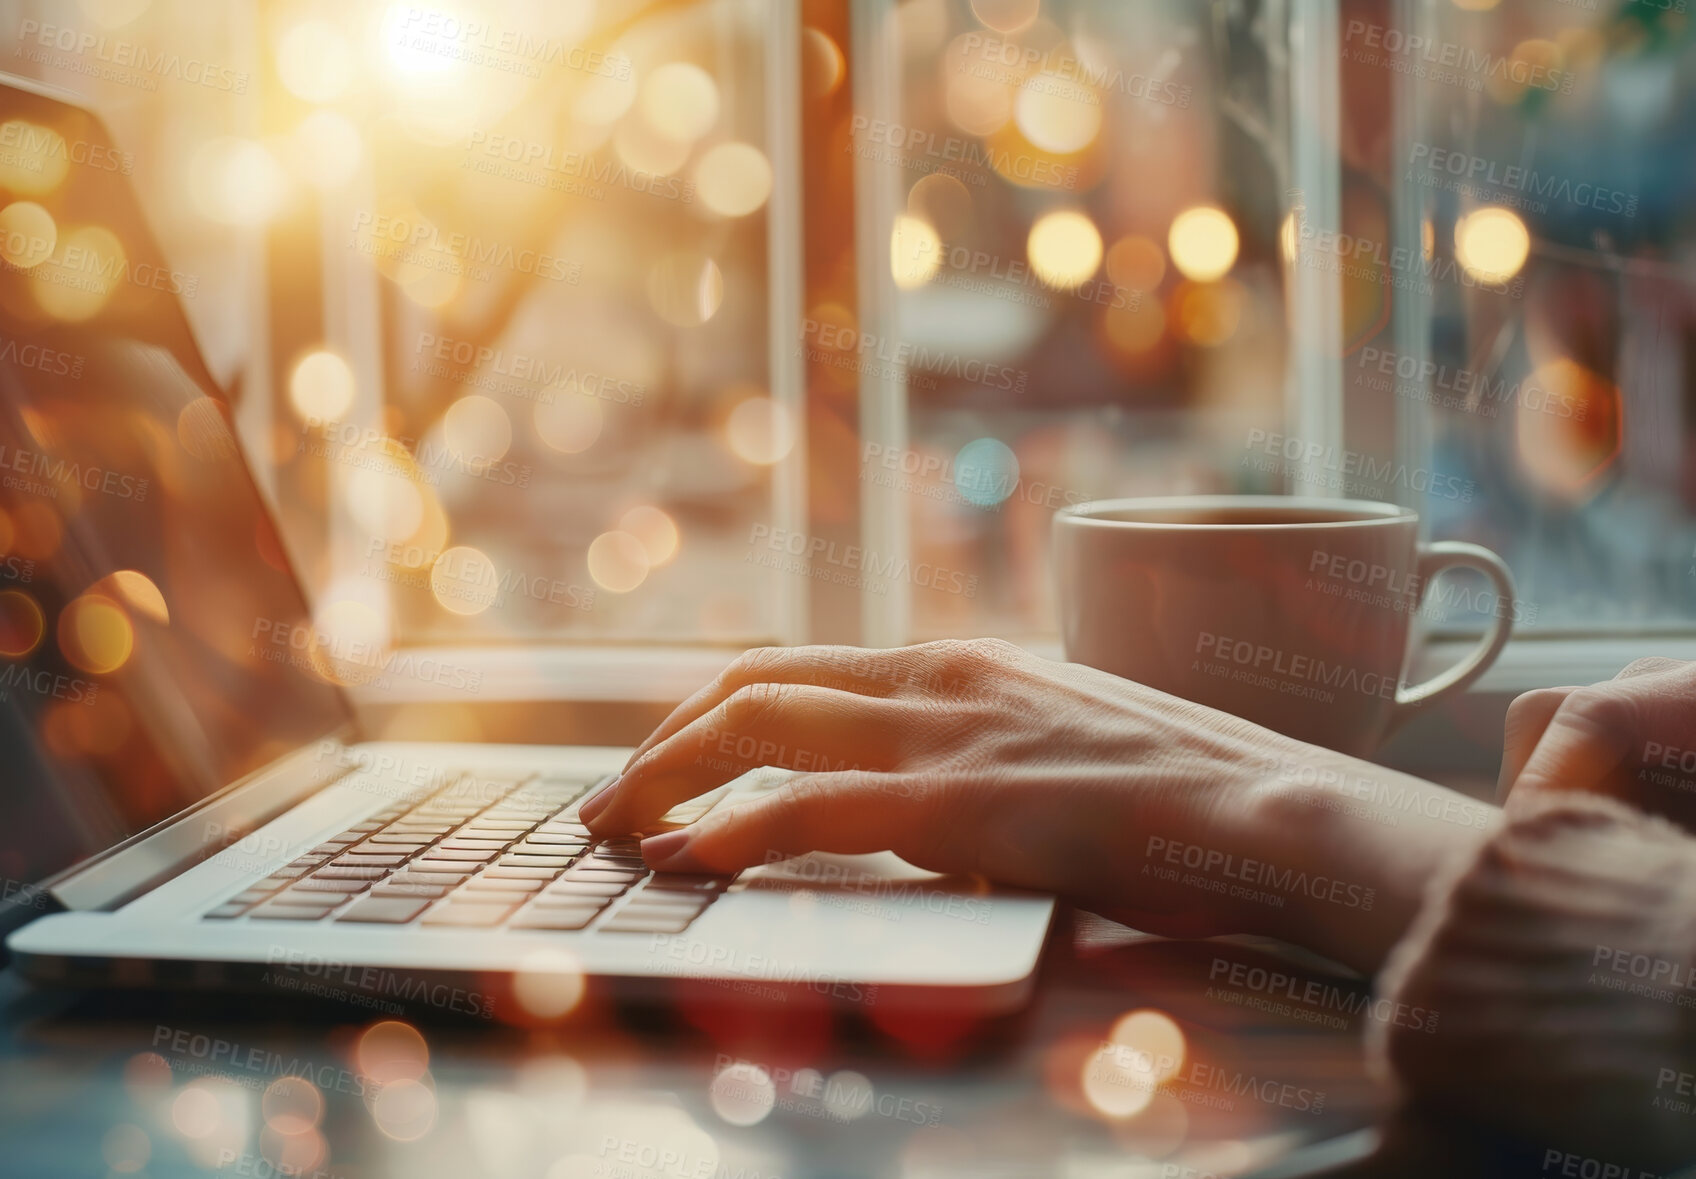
(1433, 559)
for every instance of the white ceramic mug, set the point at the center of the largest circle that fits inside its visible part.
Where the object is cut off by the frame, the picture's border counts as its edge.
(1293, 613)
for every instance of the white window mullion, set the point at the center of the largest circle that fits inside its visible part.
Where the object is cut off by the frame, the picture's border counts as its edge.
(885, 619)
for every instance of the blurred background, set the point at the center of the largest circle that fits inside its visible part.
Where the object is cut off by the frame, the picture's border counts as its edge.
(720, 322)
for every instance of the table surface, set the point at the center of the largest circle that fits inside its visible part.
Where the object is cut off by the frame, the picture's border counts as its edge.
(196, 1084)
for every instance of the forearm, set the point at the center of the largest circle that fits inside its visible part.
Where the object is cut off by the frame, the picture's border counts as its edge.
(1353, 846)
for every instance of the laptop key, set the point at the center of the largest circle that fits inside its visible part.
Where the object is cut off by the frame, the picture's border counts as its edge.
(364, 861)
(273, 911)
(455, 912)
(503, 884)
(391, 888)
(345, 872)
(562, 919)
(229, 909)
(524, 860)
(687, 882)
(384, 910)
(583, 888)
(462, 854)
(313, 884)
(602, 876)
(637, 923)
(500, 873)
(390, 849)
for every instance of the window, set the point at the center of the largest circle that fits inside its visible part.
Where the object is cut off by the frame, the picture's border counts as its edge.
(693, 325)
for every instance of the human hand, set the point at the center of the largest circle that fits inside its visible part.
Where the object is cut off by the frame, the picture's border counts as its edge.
(1632, 738)
(961, 757)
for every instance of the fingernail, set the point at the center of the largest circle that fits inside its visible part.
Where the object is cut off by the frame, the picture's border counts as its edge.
(596, 802)
(657, 849)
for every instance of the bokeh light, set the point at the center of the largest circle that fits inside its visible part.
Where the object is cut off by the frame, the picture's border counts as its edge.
(321, 387)
(464, 581)
(760, 431)
(315, 61)
(743, 1094)
(915, 252)
(329, 148)
(126, 1148)
(404, 1110)
(390, 1051)
(685, 289)
(679, 100)
(655, 529)
(944, 202)
(1006, 16)
(1136, 263)
(35, 159)
(733, 179)
(75, 283)
(1492, 244)
(292, 1105)
(617, 561)
(986, 472)
(1057, 115)
(477, 430)
(28, 234)
(137, 591)
(96, 634)
(22, 624)
(549, 984)
(1065, 249)
(1203, 243)
(237, 181)
(569, 423)
(822, 64)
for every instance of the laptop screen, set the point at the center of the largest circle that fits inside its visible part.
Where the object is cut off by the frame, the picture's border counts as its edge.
(143, 590)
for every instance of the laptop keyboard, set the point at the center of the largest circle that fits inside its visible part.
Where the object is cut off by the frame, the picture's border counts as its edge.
(484, 851)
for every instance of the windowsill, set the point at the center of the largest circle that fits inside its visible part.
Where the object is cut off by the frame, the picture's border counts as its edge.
(665, 675)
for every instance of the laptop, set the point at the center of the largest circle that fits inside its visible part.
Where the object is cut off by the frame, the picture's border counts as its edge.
(187, 797)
